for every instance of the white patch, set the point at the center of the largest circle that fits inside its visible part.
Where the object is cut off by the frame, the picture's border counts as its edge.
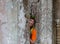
(22, 23)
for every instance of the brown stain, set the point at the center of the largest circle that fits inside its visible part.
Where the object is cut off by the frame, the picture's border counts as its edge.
(56, 8)
(25, 2)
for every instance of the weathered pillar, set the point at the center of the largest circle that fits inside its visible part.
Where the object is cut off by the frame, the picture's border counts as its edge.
(8, 22)
(46, 22)
(21, 22)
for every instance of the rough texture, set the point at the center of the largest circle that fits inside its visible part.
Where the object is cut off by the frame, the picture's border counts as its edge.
(12, 22)
(13, 28)
(46, 22)
(8, 22)
(42, 9)
(21, 22)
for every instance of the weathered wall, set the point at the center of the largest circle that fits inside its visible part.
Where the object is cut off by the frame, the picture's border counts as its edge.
(12, 21)
(8, 19)
(46, 22)
(42, 9)
(21, 22)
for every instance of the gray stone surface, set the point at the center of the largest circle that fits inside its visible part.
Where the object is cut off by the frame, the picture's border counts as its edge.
(8, 19)
(13, 21)
(46, 22)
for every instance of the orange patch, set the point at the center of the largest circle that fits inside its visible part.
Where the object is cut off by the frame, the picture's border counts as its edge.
(33, 37)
